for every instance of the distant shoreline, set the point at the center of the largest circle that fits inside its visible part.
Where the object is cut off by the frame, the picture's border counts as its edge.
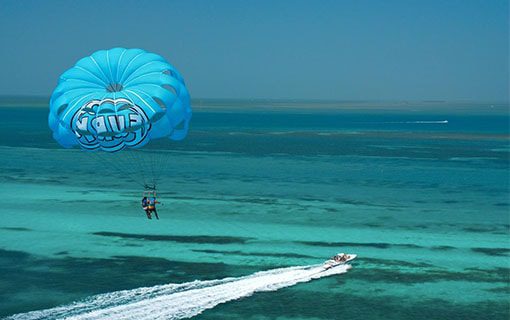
(289, 105)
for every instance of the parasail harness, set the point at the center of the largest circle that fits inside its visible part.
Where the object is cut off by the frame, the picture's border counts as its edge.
(150, 190)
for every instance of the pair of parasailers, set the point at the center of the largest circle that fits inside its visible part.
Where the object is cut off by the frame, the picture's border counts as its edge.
(149, 206)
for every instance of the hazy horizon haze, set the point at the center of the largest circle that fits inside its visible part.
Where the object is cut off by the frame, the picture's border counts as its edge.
(333, 50)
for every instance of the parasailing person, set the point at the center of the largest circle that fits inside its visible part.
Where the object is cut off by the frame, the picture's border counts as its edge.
(119, 100)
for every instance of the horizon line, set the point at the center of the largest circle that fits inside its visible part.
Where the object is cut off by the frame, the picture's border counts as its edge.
(41, 98)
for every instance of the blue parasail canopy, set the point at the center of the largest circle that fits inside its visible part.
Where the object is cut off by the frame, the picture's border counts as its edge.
(117, 99)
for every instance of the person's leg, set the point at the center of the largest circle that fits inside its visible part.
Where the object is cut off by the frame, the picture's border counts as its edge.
(156, 213)
(148, 212)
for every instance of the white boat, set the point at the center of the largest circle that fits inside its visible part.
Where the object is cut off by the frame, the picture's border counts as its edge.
(338, 259)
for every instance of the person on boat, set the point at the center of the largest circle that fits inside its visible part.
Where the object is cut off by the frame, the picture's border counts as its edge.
(145, 207)
(340, 258)
(152, 206)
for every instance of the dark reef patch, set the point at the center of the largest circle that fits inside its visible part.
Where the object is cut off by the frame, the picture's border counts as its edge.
(502, 204)
(442, 248)
(504, 290)
(394, 275)
(257, 254)
(132, 245)
(16, 229)
(181, 239)
(310, 198)
(494, 229)
(378, 245)
(413, 227)
(495, 252)
(497, 274)
(397, 263)
(373, 225)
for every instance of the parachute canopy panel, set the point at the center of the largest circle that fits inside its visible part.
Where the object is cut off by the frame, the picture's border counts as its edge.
(119, 98)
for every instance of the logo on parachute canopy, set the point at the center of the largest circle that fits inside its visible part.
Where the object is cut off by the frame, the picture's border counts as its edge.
(110, 124)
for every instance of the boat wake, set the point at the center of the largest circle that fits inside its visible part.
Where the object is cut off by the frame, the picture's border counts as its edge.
(420, 122)
(178, 301)
(429, 122)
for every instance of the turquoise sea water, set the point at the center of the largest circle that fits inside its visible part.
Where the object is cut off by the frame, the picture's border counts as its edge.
(422, 202)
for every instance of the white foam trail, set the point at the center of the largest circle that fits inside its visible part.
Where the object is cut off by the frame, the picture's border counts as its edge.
(414, 122)
(178, 301)
(438, 121)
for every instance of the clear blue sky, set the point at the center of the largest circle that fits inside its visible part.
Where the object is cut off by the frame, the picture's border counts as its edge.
(346, 50)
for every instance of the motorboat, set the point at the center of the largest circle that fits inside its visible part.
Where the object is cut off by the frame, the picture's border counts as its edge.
(338, 259)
